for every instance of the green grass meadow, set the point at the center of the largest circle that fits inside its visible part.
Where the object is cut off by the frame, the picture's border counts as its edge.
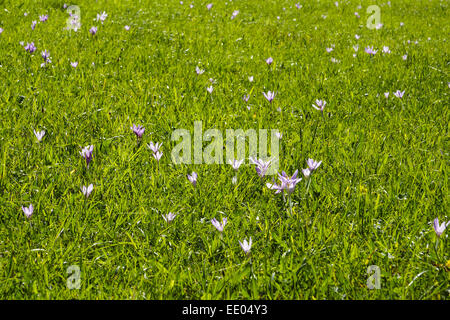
(372, 201)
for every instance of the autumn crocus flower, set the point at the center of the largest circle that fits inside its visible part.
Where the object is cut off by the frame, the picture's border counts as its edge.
(199, 71)
(74, 64)
(154, 147)
(246, 246)
(28, 211)
(219, 226)
(269, 60)
(210, 89)
(235, 13)
(169, 217)
(127, 28)
(261, 166)
(399, 94)
(386, 49)
(287, 182)
(250, 78)
(298, 5)
(101, 17)
(39, 134)
(312, 164)
(246, 97)
(209, 6)
(269, 95)
(306, 172)
(329, 49)
(236, 163)
(1, 30)
(33, 24)
(86, 153)
(30, 47)
(157, 155)
(138, 131)
(320, 105)
(93, 30)
(87, 190)
(43, 18)
(193, 178)
(386, 94)
(370, 51)
(439, 228)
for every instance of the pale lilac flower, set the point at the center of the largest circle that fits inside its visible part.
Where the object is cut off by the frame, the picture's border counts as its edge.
(43, 18)
(33, 24)
(261, 166)
(306, 172)
(269, 60)
(199, 71)
(210, 89)
(93, 30)
(357, 37)
(399, 94)
(250, 78)
(138, 130)
(87, 190)
(246, 97)
(246, 246)
(30, 47)
(279, 135)
(39, 134)
(74, 64)
(236, 163)
(45, 55)
(235, 13)
(401, 24)
(157, 155)
(371, 51)
(356, 48)
(386, 49)
(329, 49)
(102, 16)
(1, 30)
(234, 180)
(219, 226)
(298, 5)
(320, 105)
(386, 94)
(86, 153)
(287, 183)
(379, 26)
(209, 6)
(127, 28)
(439, 228)
(193, 178)
(169, 217)
(405, 57)
(154, 147)
(312, 164)
(64, 6)
(269, 96)
(335, 60)
(28, 211)
(357, 15)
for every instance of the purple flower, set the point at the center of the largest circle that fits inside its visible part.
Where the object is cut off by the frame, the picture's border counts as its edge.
(86, 153)
(286, 183)
(261, 166)
(64, 6)
(138, 130)
(246, 246)
(33, 24)
(306, 172)
(357, 37)
(269, 60)
(127, 28)
(45, 55)
(320, 105)
(235, 13)
(28, 211)
(39, 134)
(101, 16)
(386, 94)
(386, 49)
(399, 94)
(329, 49)
(157, 155)
(43, 18)
(74, 64)
(405, 57)
(439, 229)
(357, 15)
(87, 190)
(210, 89)
(299, 6)
(1, 30)
(269, 96)
(199, 71)
(236, 164)
(219, 226)
(169, 217)
(93, 30)
(250, 78)
(193, 178)
(246, 97)
(312, 164)
(30, 47)
(379, 26)
(209, 6)
(370, 51)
